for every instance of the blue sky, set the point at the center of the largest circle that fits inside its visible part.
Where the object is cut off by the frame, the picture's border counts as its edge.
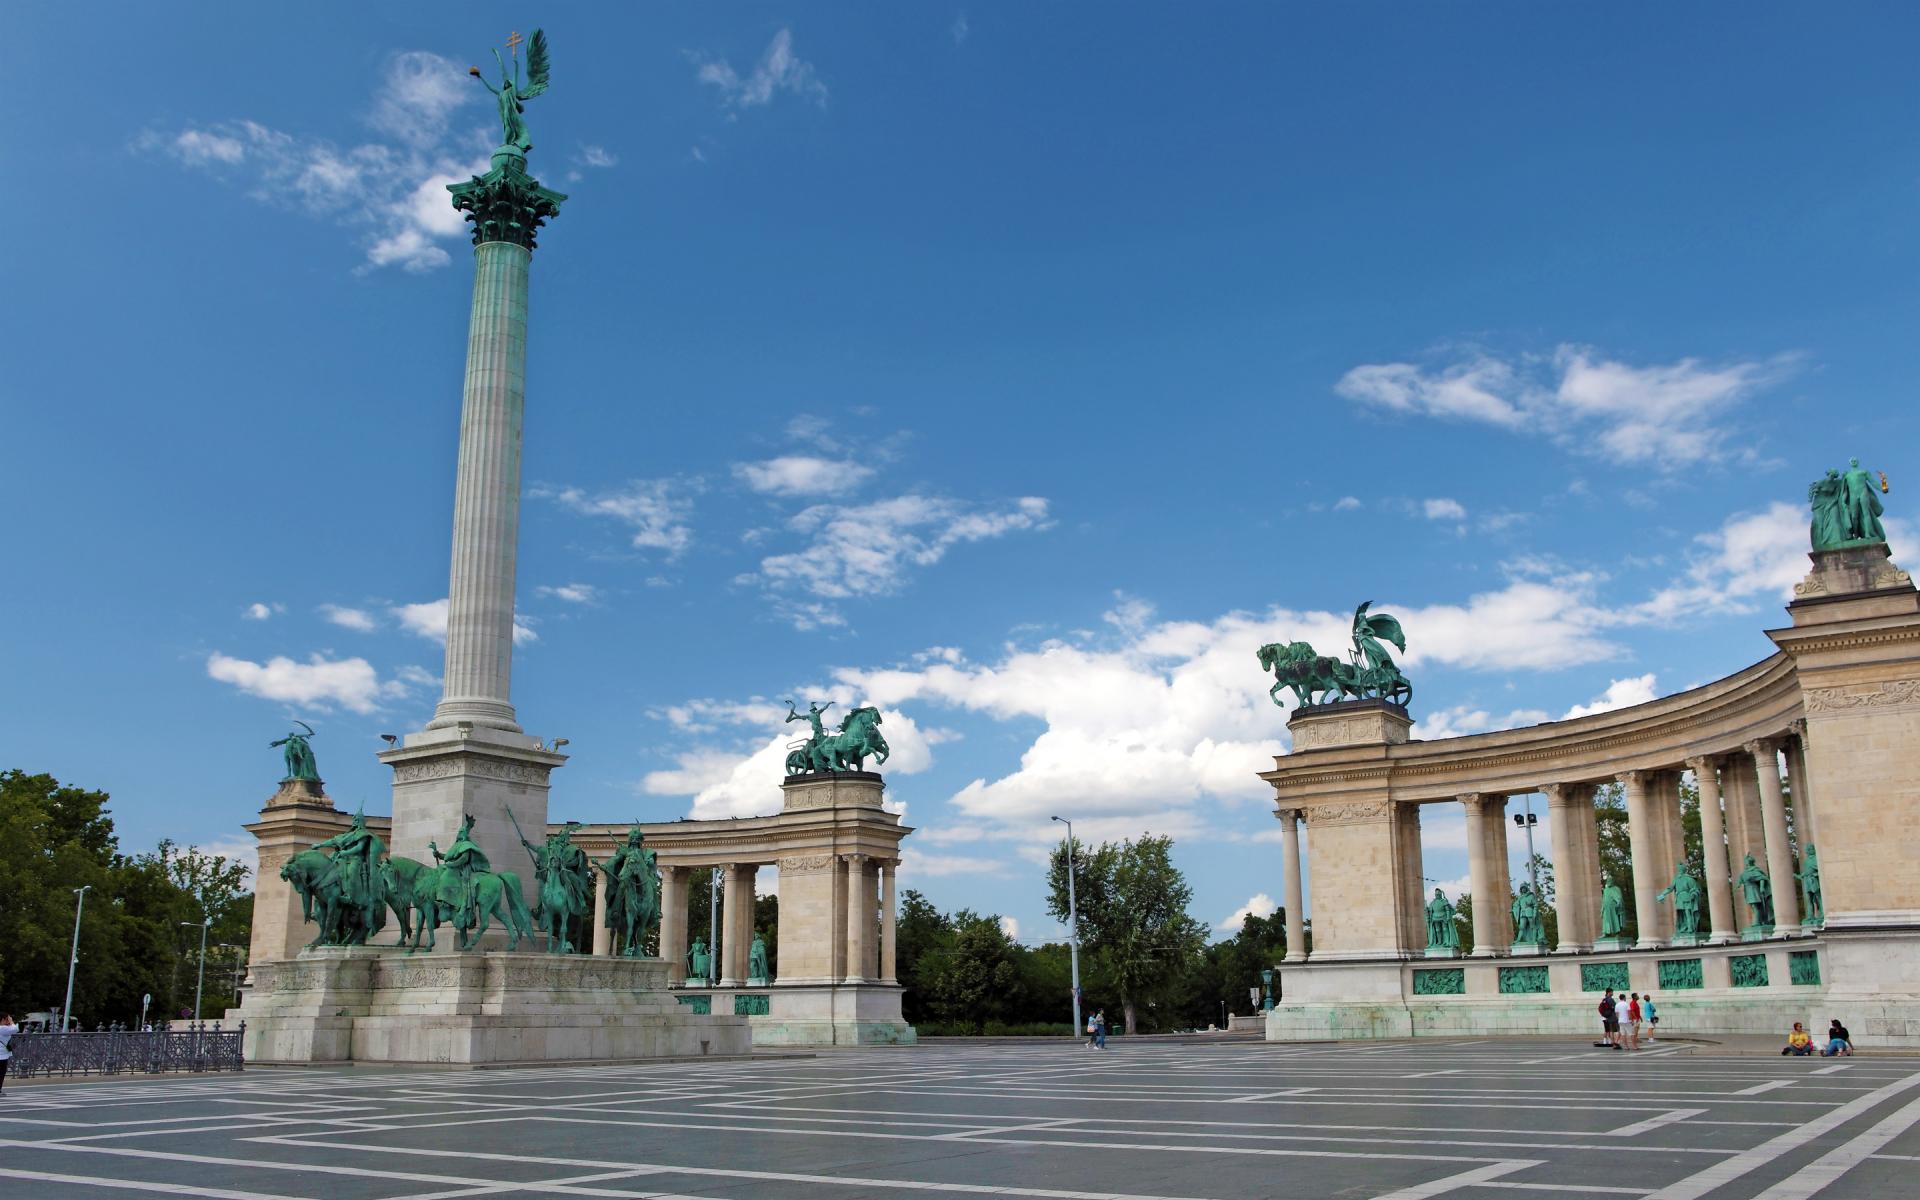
(1018, 369)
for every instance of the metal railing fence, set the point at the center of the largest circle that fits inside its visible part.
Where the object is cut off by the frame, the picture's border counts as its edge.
(123, 1052)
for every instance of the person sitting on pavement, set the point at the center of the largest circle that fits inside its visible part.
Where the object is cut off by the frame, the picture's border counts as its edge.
(1799, 1042)
(1839, 1041)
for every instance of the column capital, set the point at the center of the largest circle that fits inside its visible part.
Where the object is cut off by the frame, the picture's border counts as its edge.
(1635, 778)
(1762, 747)
(506, 204)
(1798, 727)
(1701, 763)
(855, 857)
(1561, 795)
(1288, 815)
(1471, 799)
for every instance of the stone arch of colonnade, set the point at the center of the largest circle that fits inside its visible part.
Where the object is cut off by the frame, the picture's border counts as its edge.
(1360, 787)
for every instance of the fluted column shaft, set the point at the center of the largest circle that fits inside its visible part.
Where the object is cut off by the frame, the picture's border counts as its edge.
(1486, 932)
(673, 922)
(1713, 849)
(887, 870)
(1295, 894)
(730, 903)
(1642, 846)
(1572, 882)
(859, 917)
(486, 496)
(602, 936)
(1773, 814)
(1803, 818)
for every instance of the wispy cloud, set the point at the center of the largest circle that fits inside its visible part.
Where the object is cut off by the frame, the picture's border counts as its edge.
(357, 619)
(260, 612)
(779, 70)
(392, 191)
(1670, 415)
(1443, 509)
(658, 510)
(1258, 905)
(960, 30)
(1621, 693)
(871, 549)
(572, 593)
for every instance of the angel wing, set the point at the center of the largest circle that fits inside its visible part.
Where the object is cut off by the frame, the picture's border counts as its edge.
(538, 66)
(1379, 625)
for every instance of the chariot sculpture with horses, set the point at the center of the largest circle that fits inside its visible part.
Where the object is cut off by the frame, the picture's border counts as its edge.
(847, 749)
(1369, 673)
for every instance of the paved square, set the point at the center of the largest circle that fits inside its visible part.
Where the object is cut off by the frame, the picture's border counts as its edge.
(1148, 1119)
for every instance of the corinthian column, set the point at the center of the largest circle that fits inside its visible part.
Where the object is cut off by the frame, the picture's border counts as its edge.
(1480, 869)
(1642, 844)
(1713, 848)
(1295, 894)
(1572, 882)
(1773, 815)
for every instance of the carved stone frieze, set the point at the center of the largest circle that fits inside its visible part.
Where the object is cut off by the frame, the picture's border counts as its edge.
(1890, 694)
(1347, 814)
(473, 766)
(805, 864)
(1328, 733)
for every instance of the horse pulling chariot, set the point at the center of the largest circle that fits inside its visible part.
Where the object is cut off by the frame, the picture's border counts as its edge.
(844, 750)
(1370, 673)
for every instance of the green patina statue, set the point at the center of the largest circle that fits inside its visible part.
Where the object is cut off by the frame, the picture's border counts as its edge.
(699, 962)
(1845, 510)
(346, 892)
(1528, 929)
(1687, 895)
(757, 972)
(633, 895)
(1757, 889)
(562, 884)
(300, 761)
(463, 889)
(512, 92)
(1370, 673)
(1613, 910)
(1442, 932)
(1810, 880)
(845, 750)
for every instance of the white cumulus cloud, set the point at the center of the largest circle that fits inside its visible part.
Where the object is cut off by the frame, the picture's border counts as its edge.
(256, 612)
(1258, 905)
(1443, 509)
(802, 475)
(358, 619)
(349, 683)
(657, 510)
(1621, 693)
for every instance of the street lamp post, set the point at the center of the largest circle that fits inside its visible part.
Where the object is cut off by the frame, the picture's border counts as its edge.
(1527, 821)
(713, 926)
(1073, 927)
(200, 983)
(73, 959)
(239, 962)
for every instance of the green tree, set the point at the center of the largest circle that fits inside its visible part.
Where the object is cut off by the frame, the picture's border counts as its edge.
(920, 930)
(1132, 903)
(972, 977)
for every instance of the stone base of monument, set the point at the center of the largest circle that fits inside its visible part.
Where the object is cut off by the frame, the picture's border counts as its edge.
(1756, 933)
(1442, 952)
(1702, 990)
(1611, 945)
(1527, 949)
(1688, 939)
(800, 1014)
(369, 1004)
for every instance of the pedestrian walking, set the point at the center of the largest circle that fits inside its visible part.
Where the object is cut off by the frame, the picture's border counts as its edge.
(1093, 1030)
(1100, 1029)
(8, 1030)
(1653, 1017)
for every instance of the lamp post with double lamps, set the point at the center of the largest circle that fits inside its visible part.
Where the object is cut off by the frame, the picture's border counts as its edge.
(200, 982)
(73, 959)
(1073, 927)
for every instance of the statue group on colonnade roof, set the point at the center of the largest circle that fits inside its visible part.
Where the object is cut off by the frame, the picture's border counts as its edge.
(1369, 674)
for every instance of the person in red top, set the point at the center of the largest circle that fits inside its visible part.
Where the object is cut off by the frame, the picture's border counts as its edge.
(1634, 1018)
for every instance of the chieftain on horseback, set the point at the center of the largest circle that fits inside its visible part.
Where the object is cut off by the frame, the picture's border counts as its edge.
(633, 895)
(563, 884)
(1369, 674)
(844, 750)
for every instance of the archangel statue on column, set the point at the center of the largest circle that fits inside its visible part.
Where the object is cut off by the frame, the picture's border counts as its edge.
(513, 92)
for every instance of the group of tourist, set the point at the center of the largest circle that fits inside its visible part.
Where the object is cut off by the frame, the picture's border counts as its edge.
(1097, 1030)
(7, 1031)
(1622, 1019)
(1800, 1042)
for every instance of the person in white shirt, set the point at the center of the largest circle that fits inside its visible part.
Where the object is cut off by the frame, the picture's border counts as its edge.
(7, 1031)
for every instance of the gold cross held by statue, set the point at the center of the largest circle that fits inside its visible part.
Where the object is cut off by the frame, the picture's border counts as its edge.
(513, 43)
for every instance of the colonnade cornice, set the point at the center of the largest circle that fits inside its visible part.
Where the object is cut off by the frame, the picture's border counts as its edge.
(1762, 702)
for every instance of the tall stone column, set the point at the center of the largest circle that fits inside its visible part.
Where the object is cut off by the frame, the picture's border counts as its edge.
(1500, 863)
(740, 947)
(1480, 876)
(1295, 894)
(1713, 848)
(1668, 844)
(859, 917)
(1740, 797)
(729, 915)
(1773, 809)
(673, 923)
(1411, 861)
(1803, 817)
(887, 869)
(602, 935)
(472, 759)
(1572, 882)
(1642, 845)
